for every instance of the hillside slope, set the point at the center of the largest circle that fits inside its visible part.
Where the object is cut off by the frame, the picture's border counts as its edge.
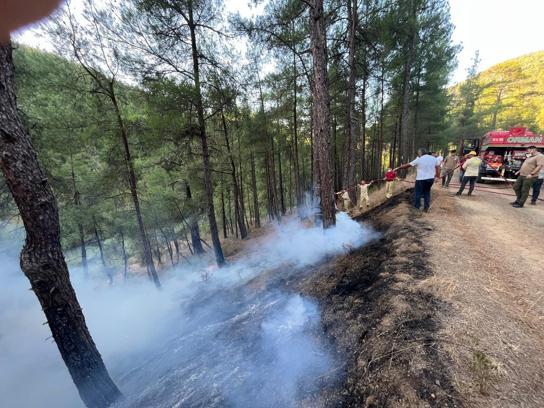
(511, 93)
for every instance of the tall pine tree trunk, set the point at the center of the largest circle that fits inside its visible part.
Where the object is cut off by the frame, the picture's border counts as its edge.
(255, 192)
(77, 203)
(290, 176)
(282, 198)
(229, 210)
(241, 184)
(99, 244)
(296, 163)
(382, 119)
(168, 246)
(157, 247)
(208, 186)
(336, 160)
(176, 246)
(125, 256)
(349, 154)
(321, 119)
(270, 171)
(404, 142)
(237, 199)
(223, 214)
(416, 115)
(193, 224)
(250, 207)
(392, 152)
(148, 256)
(42, 260)
(363, 127)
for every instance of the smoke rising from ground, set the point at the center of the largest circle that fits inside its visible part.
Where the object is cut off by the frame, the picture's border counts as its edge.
(236, 339)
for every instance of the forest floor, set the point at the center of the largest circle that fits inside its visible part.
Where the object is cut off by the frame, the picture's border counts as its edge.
(446, 309)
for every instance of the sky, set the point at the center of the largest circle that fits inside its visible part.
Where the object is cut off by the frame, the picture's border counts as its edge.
(498, 29)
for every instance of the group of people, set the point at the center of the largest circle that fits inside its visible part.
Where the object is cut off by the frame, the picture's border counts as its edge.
(530, 175)
(431, 166)
(343, 200)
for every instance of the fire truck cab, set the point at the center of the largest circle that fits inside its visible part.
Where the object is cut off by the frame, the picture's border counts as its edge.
(503, 152)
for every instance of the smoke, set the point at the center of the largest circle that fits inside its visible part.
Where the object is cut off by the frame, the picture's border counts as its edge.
(238, 338)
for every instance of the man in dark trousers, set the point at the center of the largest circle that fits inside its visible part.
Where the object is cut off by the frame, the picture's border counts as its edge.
(471, 169)
(448, 166)
(537, 184)
(527, 174)
(427, 169)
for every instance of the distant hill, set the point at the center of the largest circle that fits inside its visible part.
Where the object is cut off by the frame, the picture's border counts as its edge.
(512, 94)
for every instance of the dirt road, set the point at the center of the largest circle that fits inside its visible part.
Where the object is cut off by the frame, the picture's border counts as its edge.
(488, 264)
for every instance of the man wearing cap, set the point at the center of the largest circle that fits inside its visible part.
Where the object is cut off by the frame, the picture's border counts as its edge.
(527, 175)
(427, 169)
(471, 170)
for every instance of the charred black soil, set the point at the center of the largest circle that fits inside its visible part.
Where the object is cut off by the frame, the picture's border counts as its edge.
(382, 322)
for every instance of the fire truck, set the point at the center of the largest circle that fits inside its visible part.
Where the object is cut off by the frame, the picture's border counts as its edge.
(503, 152)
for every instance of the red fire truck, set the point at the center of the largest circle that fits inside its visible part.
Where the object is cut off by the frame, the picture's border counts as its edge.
(503, 152)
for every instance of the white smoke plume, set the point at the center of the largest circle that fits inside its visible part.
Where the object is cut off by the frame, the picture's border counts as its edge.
(236, 339)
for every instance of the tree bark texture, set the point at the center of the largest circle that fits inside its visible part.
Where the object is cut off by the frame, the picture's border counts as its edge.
(42, 259)
(238, 213)
(208, 186)
(148, 256)
(404, 142)
(257, 215)
(321, 111)
(193, 224)
(349, 154)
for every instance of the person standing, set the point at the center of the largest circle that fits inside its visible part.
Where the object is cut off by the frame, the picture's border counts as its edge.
(390, 177)
(427, 169)
(527, 173)
(471, 170)
(346, 201)
(537, 184)
(364, 199)
(448, 167)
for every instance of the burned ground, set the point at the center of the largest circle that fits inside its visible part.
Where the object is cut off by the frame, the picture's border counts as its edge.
(381, 321)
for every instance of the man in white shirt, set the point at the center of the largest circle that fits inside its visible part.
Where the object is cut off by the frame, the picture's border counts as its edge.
(427, 169)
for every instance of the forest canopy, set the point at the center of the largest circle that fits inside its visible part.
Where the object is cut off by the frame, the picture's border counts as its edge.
(118, 115)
